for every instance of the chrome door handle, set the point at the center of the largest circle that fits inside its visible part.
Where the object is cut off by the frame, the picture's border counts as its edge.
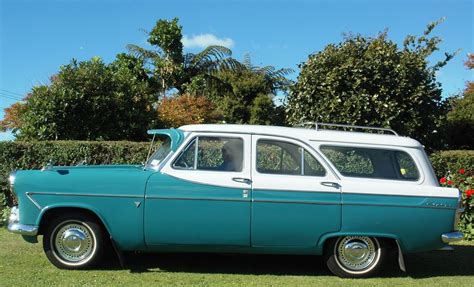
(331, 184)
(242, 180)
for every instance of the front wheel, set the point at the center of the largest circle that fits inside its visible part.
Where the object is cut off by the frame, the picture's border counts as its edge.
(73, 241)
(354, 256)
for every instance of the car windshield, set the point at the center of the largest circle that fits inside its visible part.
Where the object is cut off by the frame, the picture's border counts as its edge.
(160, 153)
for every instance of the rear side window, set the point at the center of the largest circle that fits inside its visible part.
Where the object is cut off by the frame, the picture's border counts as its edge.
(372, 163)
(279, 157)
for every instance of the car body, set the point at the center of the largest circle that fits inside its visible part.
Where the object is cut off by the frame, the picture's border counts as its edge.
(251, 189)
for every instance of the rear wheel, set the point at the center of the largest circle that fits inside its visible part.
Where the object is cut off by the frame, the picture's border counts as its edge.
(73, 241)
(355, 256)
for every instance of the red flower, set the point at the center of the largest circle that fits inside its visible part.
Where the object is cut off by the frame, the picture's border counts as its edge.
(442, 180)
(469, 192)
(462, 171)
(450, 182)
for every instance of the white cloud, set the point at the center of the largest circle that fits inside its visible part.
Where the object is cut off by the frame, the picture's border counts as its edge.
(204, 40)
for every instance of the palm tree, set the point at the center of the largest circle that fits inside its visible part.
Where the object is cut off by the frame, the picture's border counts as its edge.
(171, 68)
(276, 79)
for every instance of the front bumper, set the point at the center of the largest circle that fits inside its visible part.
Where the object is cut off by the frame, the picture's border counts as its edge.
(452, 236)
(14, 225)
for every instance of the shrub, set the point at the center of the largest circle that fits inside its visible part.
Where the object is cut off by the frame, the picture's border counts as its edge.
(452, 160)
(464, 180)
(455, 168)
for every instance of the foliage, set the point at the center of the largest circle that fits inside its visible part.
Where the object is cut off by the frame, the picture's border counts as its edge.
(470, 65)
(167, 35)
(12, 119)
(371, 81)
(89, 100)
(4, 209)
(250, 99)
(173, 68)
(460, 119)
(232, 86)
(445, 162)
(186, 109)
(463, 179)
(455, 168)
(263, 111)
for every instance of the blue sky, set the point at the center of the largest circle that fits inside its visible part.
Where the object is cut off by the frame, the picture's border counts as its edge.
(36, 37)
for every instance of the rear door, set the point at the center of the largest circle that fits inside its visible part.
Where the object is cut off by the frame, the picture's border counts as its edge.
(295, 198)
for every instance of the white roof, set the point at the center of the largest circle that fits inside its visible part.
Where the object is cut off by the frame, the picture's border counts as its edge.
(307, 134)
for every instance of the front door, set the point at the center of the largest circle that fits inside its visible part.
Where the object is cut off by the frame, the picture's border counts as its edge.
(295, 198)
(202, 195)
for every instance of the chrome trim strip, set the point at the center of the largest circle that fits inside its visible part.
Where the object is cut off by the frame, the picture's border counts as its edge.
(196, 198)
(27, 230)
(338, 192)
(28, 195)
(87, 194)
(452, 236)
(398, 205)
(297, 202)
(446, 248)
(400, 195)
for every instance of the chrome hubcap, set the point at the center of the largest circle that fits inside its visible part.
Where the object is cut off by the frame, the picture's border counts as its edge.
(356, 252)
(74, 242)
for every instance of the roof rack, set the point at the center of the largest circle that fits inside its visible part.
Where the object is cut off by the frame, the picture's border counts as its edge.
(318, 126)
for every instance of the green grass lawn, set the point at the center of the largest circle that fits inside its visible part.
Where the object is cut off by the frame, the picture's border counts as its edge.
(23, 264)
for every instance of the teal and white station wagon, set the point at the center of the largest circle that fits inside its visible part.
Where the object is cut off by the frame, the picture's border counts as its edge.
(354, 197)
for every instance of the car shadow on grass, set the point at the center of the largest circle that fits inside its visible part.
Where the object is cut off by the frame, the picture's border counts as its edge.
(419, 265)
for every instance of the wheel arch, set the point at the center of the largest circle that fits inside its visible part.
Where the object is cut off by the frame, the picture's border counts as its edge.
(391, 240)
(386, 236)
(50, 211)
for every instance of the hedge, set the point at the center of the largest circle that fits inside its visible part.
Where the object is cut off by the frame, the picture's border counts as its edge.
(34, 155)
(452, 161)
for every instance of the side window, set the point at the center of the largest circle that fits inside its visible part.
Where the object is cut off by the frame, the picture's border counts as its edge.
(406, 166)
(350, 161)
(278, 157)
(212, 153)
(187, 157)
(372, 163)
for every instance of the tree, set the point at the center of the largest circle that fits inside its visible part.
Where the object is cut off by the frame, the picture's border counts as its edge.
(253, 89)
(370, 81)
(173, 68)
(186, 109)
(460, 119)
(231, 85)
(90, 100)
(12, 118)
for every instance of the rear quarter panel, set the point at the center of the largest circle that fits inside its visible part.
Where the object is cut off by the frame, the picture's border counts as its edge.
(415, 215)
